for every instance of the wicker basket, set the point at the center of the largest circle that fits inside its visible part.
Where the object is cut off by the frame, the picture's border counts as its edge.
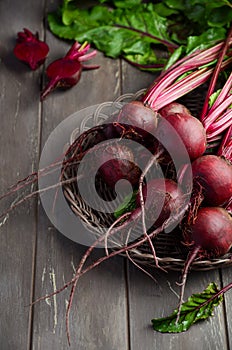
(170, 252)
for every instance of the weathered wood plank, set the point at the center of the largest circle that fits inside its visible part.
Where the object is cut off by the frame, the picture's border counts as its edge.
(148, 300)
(98, 318)
(19, 105)
(226, 279)
(99, 315)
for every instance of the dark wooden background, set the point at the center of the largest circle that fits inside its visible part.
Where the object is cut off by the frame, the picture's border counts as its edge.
(114, 303)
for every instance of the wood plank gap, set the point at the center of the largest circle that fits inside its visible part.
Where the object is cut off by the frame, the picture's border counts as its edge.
(42, 77)
(127, 286)
(31, 311)
(224, 313)
(36, 209)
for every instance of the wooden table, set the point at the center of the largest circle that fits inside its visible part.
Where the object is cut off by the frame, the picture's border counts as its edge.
(115, 302)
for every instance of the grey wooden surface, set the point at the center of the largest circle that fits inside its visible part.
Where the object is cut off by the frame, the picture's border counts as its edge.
(115, 302)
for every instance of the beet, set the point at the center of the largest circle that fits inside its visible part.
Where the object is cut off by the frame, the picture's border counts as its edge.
(117, 163)
(212, 230)
(214, 174)
(135, 113)
(134, 121)
(30, 49)
(210, 235)
(66, 72)
(163, 198)
(189, 128)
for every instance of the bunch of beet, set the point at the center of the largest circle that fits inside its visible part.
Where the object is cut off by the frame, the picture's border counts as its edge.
(205, 219)
(163, 203)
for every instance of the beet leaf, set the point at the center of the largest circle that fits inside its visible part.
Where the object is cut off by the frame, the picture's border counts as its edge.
(133, 28)
(197, 307)
(128, 204)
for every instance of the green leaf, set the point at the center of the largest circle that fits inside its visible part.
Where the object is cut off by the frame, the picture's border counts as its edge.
(220, 17)
(163, 10)
(128, 204)
(123, 3)
(127, 3)
(213, 97)
(133, 29)
(198, 307)
(175, 56)
(176, 4)
(131, 34)
(205, 40)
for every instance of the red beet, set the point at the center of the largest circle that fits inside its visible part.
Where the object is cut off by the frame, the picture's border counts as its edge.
(163, 198)
(30, 49)
(138, 115)
(214, 174)
(134, 121)
(211, 235)
(66, 72)
(189, 128)
(117, 163)
(212, 230)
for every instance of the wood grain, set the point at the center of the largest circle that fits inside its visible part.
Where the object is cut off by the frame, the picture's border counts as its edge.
(19, 106)
(114, 303)
(226, 279)
(99, 313)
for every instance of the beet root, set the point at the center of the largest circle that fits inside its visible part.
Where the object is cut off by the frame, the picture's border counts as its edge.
(163, 199)
(30, 49)
(117, 163)
(189, 128)
(214, 174)
(66, 72)
(211, 236)
(212, 231)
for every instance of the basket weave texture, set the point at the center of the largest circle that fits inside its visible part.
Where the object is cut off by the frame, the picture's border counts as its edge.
(171, 253)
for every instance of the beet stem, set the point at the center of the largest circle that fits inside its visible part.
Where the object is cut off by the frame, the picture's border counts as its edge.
(49, 88)
(220, 292)
(136, 264)
(124, 216)
(188, 63)
(32, 194)
(215, 75)
(224, 93)
(151, 162)
(225, 148)
(162, 41)
(146, 66)
(191, 257)
(216, 113)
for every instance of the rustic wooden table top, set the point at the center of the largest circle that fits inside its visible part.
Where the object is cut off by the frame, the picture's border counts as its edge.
(115, 302)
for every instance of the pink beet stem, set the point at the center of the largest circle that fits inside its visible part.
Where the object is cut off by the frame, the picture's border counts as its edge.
(225, 148)
(212, 117)
(225, 92)
(216, 74)
(192, 61)
(220, 125)
(88, 56)
(191, 257)
(50, 87)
